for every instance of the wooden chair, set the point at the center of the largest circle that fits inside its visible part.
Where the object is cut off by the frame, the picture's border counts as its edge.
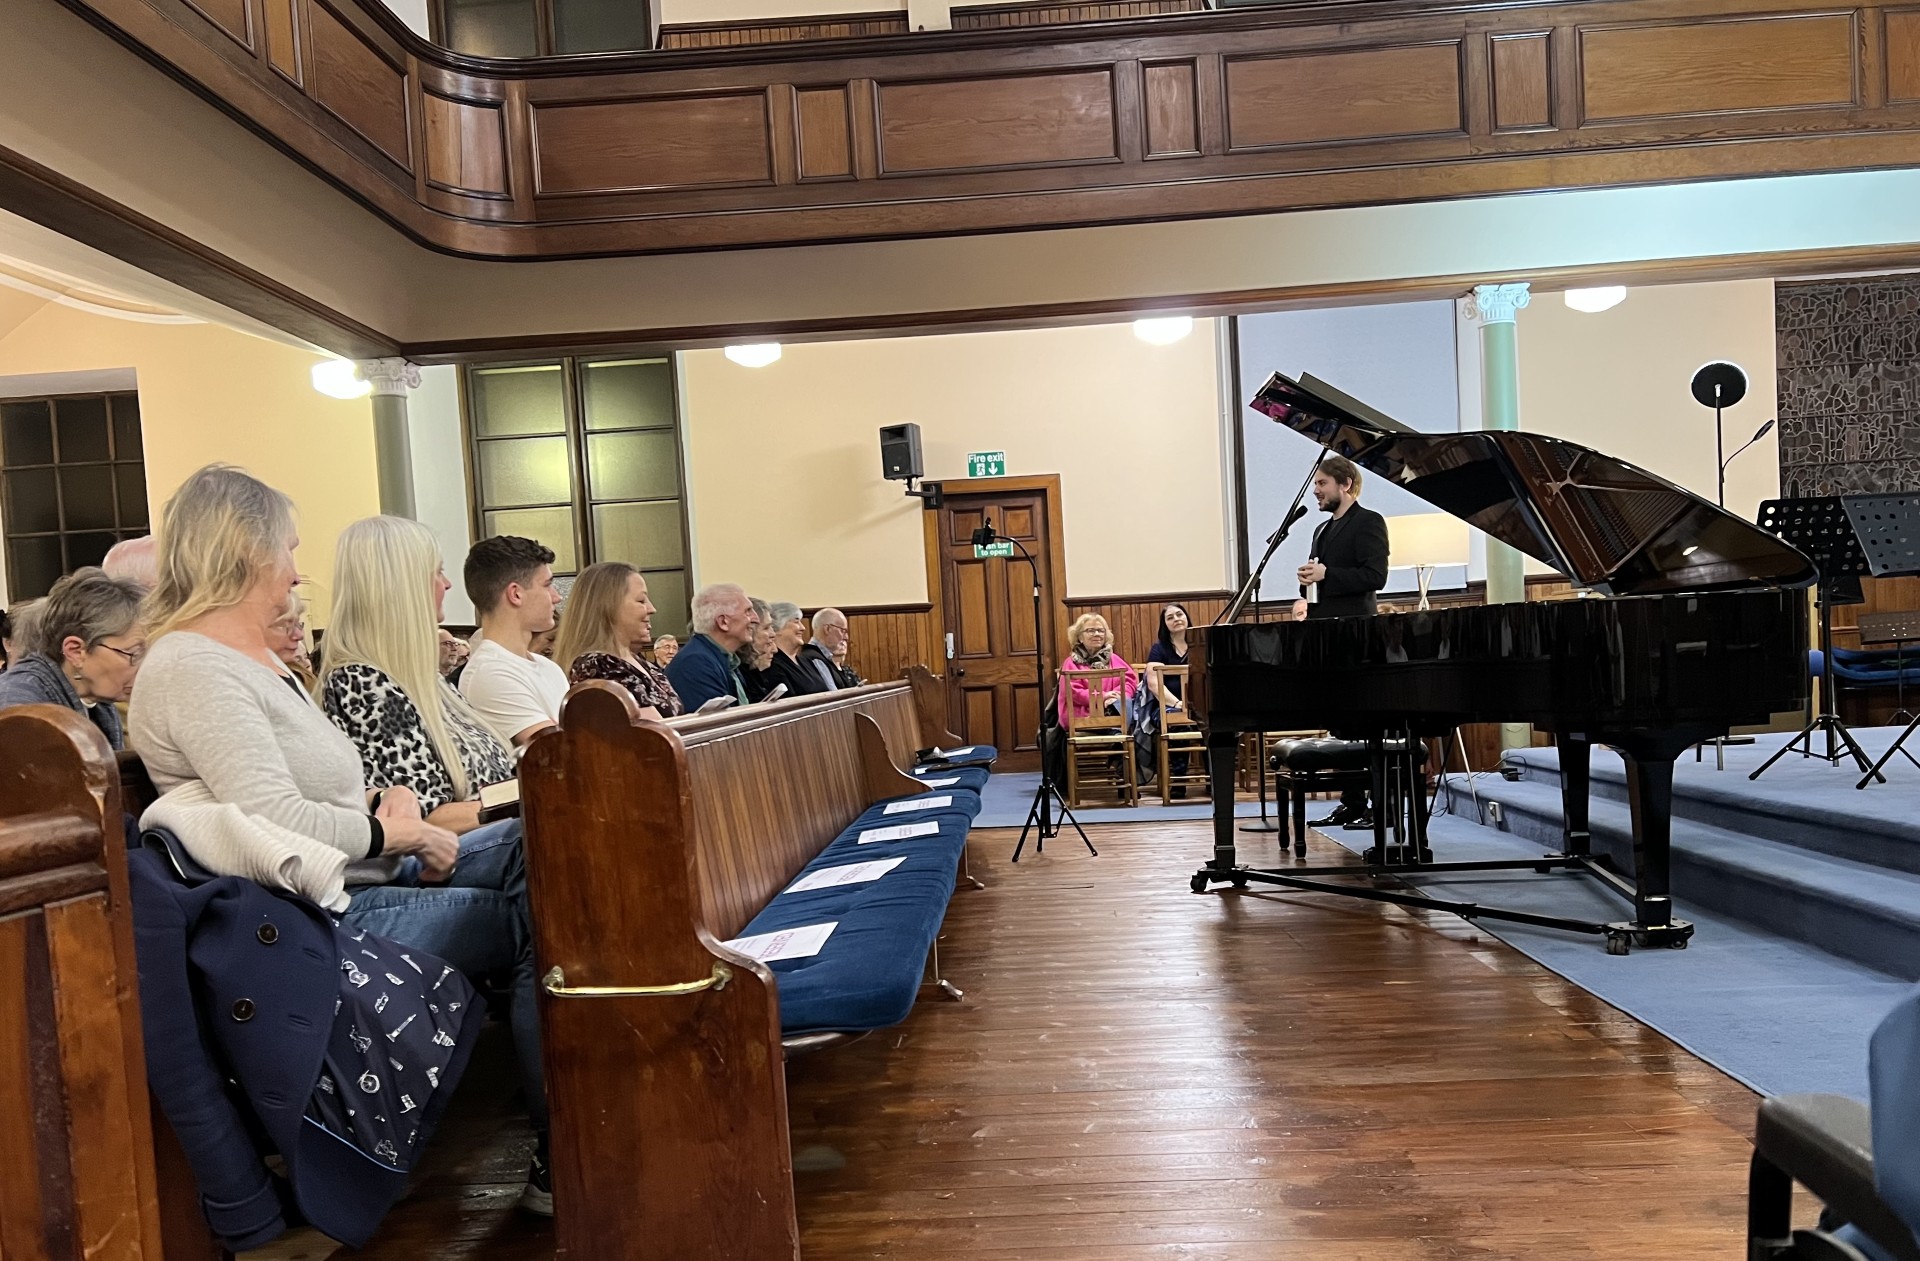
(1099, 745)
(1180, 735)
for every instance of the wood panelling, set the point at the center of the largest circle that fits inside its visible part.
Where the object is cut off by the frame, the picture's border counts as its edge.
(1668, 69)
(1361, 94)
(826, 134)
(1903, 55)
(466, 145)
(283, 36)
(355, 81)
(661, 143)
(1522, 92)
(1017, 128)
(1014, 120)
(1173, 110)
(746, 34)
(233, 17)
(999, 17)
(883, 640)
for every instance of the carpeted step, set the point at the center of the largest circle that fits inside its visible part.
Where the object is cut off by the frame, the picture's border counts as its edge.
(1811, 806)
(1851, 909)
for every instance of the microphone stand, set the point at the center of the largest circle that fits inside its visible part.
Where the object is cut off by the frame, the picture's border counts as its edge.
(1251, 590)
(1040, 814)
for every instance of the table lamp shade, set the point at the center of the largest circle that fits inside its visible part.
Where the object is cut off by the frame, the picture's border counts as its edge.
(1426, 540)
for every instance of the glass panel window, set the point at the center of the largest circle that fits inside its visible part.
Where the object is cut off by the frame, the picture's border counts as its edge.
(33, 503)
(646, 536)
(493, 28)
(86, 497)
(81, 424)
(643, 465)
(126, 427)
(33, 566)
(598, 26)
(551, 526)
(510, 401)
(628, 394)
(26, 433)
(667, 588)
(71, 484)
(525, 471)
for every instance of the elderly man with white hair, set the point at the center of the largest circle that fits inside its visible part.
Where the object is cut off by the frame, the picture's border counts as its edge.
(704, 668)
(134, 561)
(829, 636)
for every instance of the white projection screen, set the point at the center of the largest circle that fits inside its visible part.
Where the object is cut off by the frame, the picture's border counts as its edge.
(1397, 358)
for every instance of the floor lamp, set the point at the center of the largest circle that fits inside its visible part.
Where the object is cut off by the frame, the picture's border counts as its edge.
(1720, 385)
(1424, 542)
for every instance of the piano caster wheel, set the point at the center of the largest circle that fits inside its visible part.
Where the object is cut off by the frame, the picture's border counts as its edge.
(1544, 869)
(1619, 943)
(1240, 883)
(1200, 882)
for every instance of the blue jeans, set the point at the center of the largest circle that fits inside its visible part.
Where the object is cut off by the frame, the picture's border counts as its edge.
(476, 921)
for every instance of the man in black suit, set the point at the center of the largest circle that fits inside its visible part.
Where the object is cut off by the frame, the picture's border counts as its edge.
(1346, 568)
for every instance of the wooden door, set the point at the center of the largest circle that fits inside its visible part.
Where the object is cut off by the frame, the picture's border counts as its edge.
(993, 693)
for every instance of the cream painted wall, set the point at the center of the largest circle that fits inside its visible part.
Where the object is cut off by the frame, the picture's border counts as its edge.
(209, 394)
(786, 491)
(1617, 381)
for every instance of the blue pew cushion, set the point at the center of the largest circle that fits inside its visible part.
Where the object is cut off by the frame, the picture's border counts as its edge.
(869, 971)
(942, 778)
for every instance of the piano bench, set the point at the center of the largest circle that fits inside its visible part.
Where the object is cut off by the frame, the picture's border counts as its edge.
(1319, 765)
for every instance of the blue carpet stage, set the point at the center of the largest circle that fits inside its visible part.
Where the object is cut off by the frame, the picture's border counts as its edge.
(1806, 893)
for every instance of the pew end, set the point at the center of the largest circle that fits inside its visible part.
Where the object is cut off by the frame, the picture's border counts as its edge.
(930, 702)
(879, 772)
(649, 1026)
(75, 1117)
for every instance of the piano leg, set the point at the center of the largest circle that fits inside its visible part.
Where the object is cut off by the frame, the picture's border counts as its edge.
(1576, 759)
(1223, 756)
(1377, 763)
(1650, 795)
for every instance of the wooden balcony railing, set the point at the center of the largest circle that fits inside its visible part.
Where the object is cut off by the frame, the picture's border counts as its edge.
(1184, 116)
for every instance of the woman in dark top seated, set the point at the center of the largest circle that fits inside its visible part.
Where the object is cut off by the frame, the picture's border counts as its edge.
(756, 659)
(790, 633)
(86, 649)
(1170, 650)
(608, 612)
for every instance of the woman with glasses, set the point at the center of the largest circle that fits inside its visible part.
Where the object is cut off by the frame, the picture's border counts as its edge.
(85, 650)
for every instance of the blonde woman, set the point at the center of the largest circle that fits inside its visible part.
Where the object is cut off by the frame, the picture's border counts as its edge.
(380, 677)
(1092, 650)
(289, 639)
(214, 703)
(608, 612)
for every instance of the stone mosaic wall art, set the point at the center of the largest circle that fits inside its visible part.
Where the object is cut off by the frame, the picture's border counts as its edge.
(1849, 382)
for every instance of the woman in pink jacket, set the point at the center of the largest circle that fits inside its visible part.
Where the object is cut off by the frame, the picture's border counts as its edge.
(1093, 650)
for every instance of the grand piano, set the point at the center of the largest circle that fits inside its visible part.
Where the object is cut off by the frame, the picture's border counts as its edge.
(1698, 623)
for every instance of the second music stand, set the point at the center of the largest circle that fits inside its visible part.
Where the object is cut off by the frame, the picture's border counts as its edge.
(1888, 527)
(1822, 529)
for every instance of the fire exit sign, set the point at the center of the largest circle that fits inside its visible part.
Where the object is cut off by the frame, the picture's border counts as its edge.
(987, 464)
(1002, 548)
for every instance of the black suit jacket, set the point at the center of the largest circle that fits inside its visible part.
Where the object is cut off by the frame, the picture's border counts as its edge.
(1353, 547)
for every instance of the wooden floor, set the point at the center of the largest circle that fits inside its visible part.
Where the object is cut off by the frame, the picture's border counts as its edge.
(1139, 1072)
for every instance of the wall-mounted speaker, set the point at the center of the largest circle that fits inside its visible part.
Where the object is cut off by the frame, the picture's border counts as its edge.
(900, 452)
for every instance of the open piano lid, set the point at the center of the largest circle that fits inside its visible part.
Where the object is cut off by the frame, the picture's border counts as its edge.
(1604, 523)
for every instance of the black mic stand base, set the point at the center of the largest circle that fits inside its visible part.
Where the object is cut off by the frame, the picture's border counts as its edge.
(1040, 816)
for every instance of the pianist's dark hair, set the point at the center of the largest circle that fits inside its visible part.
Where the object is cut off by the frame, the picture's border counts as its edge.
(1166, 637)
(1342, 470)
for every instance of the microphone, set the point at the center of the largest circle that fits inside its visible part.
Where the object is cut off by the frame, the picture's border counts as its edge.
(1298, 512)
(984, 535)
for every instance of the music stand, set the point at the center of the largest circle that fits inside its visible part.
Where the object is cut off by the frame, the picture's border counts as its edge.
(1822, 529)
(1888, 527)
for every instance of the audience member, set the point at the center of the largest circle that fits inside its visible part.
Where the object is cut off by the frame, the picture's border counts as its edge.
(132, 560)
(663, 649)
(789, 638)
(380, 676)
(515, 691)
(289, 639)
(755, 658)
(541, 645)
(608, 612)
(704, 668)
(1170, 649)
(849, 677)
(215, 706)
(829, 635)
(87, 650)
(6, 640)
(23, 616)
(1092, 650)
(453, 652)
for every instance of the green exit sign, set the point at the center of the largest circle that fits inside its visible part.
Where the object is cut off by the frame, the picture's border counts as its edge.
(1002, 548)
(987, 464)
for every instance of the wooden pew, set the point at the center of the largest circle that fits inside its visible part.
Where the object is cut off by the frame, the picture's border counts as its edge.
(76, 1146)
(648, 844)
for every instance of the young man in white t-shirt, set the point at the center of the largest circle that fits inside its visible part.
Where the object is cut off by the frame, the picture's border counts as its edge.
(517, 692)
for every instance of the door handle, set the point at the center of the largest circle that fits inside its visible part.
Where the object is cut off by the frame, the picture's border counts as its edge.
(959, 672)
